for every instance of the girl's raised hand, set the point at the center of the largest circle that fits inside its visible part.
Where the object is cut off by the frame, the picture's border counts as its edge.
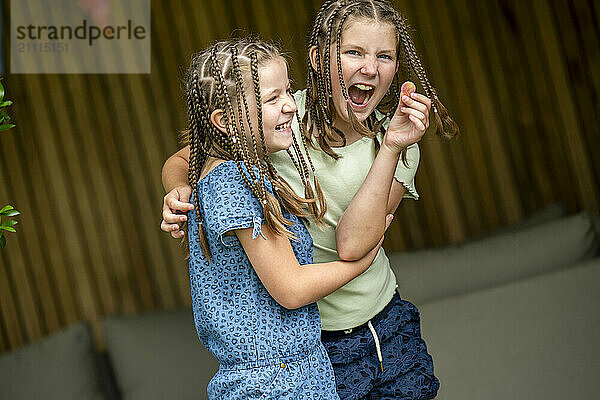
(410, 121)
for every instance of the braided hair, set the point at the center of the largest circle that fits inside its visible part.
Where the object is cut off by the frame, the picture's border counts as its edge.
(332, 18)
(225, 76)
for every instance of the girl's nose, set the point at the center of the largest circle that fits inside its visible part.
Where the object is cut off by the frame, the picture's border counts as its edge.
(370, 67)
(290, 105)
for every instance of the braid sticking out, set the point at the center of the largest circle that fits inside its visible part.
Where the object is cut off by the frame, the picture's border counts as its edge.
(333, 18)
(226, 78)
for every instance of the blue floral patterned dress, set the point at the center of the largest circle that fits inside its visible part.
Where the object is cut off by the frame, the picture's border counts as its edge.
(265, 351)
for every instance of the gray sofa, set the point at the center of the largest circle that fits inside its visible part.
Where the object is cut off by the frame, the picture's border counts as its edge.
(513, 315)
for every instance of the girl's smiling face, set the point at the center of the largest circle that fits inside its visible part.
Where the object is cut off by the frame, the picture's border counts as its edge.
(369, 62)
(278, 105)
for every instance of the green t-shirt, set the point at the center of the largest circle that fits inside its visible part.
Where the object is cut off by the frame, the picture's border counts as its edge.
(366, 295)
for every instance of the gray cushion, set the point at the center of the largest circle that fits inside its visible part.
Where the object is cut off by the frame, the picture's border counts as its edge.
(546, 214)
(428, 275)
(532, 339)
(158, 356)
(61, 366)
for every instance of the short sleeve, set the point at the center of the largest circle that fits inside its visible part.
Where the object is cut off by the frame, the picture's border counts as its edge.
(406, 174)
(228, 203)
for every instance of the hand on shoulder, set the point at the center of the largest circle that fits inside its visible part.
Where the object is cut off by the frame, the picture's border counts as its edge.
(175, 204)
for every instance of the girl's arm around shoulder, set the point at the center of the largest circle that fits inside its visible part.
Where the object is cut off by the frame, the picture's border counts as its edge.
(175, 170)
(293, 285)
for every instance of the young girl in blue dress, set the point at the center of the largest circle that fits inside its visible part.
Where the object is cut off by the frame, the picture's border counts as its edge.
(253, 283)
(363, 131)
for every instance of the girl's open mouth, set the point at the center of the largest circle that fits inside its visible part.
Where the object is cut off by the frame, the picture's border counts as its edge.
(359, 94)
(284, 127)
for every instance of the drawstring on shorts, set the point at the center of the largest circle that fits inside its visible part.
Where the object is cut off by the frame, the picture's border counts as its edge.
(377, 345)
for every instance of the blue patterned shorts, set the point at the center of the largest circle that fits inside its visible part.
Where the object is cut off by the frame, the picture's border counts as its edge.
(406, 370)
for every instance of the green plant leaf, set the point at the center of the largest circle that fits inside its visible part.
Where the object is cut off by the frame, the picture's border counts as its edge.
(6, 103)
(11, 213)
(6, 208)
(2, 240)
(12, 222)
(8, 228)
(6, 127)
(1, 91)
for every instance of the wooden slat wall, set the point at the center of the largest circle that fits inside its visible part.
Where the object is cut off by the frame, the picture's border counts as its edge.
(83, 165)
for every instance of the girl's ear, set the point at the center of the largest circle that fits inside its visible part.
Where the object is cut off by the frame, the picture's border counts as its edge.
(216, 118)
(312, 54)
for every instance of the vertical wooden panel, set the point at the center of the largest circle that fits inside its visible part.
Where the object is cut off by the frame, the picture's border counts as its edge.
(502, 72)
(532, 58)
(131, 275)
(111, 254)
(18, 277)
(586, 186)
(62, 176)
(436, 154)
(38, 189)
(37, 274)
(495, 150)
(581, 57)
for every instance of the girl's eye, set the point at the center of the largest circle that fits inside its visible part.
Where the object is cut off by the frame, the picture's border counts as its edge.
(353, 52)
(385, 56)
